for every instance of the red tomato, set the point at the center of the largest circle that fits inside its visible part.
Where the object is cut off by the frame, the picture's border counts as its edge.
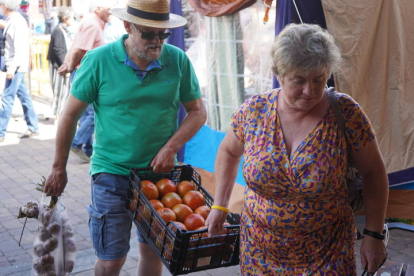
(222, 239)
(203, 211)
(193, 221)
(156, 204)
(143, 212)
(165, 186)
(225, 231)
(182, 211)
(179, 225)
(183, 187)
(134, 201)
(149, 189)
(132, 205)
(167, 214)
(171, 199)
(204, 235)
(168, 247)
(194, 199)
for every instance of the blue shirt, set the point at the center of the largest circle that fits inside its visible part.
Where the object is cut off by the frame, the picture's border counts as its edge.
(138, 71)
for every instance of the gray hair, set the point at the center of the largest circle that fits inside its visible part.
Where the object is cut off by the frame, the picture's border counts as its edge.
(304, 48)
(93, 4)
(12, 5)
(64, 13)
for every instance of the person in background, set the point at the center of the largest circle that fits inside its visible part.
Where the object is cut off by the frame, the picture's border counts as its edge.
(2, 25)
(60, 42)
(89, 36)
(136, 85)
(24, 10)
(16, 56)
(114, 29)
(296, 219)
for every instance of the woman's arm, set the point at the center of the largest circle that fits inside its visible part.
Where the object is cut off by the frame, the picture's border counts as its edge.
(371, 166)
(225, 173)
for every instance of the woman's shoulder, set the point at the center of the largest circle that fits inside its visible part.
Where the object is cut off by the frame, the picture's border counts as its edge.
(345, 98)
(262, 99)
(346, 102)
(350, 108)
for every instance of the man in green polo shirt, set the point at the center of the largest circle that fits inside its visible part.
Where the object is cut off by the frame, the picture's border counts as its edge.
(136, 85)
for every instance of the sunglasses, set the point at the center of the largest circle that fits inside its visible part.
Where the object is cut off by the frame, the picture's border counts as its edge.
(151, 35)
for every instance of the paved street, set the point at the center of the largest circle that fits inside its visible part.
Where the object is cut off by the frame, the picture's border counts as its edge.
(24, 162)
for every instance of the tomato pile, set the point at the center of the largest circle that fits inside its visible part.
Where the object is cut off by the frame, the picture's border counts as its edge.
(180, 203)
(180, 206)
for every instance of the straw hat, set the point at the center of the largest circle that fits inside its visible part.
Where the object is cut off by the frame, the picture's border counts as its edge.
(150, 13)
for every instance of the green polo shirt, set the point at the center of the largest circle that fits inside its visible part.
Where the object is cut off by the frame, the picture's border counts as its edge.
(133, 118)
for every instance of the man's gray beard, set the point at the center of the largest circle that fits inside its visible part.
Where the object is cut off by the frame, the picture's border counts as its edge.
(142, 55)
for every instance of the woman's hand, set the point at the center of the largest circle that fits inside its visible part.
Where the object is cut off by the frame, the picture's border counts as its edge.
(373, 254)
(215, 221)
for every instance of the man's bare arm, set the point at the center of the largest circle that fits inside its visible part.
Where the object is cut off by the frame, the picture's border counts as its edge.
(165, 159)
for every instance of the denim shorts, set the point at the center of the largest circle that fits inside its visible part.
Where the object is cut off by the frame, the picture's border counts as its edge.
(109, 223)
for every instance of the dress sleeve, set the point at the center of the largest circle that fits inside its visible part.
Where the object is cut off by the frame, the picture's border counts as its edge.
(359, 130)
(238, 121)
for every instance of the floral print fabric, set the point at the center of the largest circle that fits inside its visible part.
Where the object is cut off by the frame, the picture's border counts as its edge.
(296, 219)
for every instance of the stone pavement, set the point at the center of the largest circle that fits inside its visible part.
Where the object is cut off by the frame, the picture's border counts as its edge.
(23, 162)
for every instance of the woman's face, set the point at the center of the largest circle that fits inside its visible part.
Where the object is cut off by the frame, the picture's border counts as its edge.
(303, 91)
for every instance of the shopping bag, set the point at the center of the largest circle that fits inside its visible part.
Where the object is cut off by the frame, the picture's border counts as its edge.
(54, 244)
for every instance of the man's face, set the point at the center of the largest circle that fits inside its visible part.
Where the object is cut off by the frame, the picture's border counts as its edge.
(103, 13)
(147, 41)
(3, 9)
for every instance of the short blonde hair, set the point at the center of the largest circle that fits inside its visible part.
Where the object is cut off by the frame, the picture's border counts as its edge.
(304, 48)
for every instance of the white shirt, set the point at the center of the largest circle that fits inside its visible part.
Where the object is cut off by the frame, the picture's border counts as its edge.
(17, 49)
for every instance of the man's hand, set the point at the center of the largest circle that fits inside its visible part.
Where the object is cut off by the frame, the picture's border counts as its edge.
(2, 24)
(56, 182)
(63, 69)
(164, 161)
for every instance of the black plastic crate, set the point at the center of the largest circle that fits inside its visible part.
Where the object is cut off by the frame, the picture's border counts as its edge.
(181, 251)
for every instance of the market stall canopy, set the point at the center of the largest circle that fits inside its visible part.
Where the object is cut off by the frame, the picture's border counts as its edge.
(214, 8)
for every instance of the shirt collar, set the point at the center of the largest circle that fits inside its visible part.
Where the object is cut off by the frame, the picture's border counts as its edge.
(130, 63)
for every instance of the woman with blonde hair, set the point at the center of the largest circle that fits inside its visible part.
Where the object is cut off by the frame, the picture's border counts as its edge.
(296, 219)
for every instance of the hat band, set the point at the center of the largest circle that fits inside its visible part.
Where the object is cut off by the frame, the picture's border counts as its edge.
(148, 15)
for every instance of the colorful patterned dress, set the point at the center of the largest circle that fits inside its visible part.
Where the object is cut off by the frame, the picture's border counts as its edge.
(296, 219)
